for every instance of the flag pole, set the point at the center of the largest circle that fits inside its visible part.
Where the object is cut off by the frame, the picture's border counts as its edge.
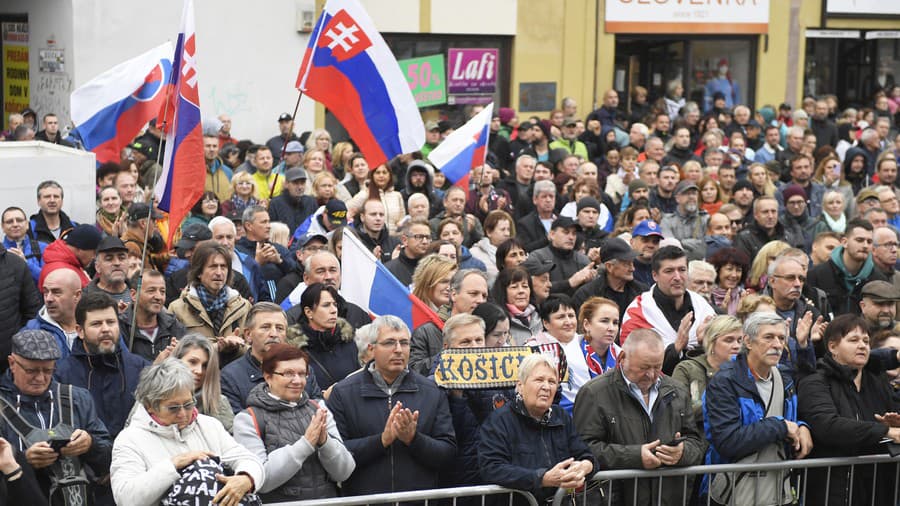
(285, 143)
(137, 289)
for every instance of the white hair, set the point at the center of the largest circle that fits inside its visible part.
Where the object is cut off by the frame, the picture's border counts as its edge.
(221, 220)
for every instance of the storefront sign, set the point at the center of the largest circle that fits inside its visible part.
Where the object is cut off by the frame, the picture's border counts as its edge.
(52, 60)
(832, 34)
(883, 34)
(687, 16)
(472, 71)
(15, 69)
(862, 7)
(426, 80)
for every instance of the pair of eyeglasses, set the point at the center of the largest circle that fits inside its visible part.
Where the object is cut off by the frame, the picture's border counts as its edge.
(420, 237)
(175, 409)
(290, 375)
(392, 343)
(791, 277)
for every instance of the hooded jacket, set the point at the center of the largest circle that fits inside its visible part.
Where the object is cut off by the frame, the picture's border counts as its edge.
(142, 469)
(333, 354)
(57, 255)
(43, 321)
(361, 407)
(111, 380)
(427, 190)
(832, 279)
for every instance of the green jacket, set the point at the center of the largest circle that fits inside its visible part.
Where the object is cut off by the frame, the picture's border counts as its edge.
(695, 373)
(574, 147)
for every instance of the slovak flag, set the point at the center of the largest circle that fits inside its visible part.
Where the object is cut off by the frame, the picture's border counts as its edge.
(111, 109)
(184, 168)
(349, 69)
(368, 284)
(464, 149)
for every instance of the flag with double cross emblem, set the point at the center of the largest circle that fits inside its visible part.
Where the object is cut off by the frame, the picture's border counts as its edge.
(349, 69)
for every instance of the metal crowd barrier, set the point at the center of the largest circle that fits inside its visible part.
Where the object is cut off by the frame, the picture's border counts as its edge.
(443, 495)
(605, 479)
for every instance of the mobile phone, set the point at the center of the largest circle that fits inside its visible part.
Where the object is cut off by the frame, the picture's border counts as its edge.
(676, 441)
(58, 444)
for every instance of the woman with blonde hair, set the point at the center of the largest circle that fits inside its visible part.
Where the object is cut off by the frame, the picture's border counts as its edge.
(314, 164)
(692, 171)
(431, 281)
(320, 140)
(279, 233)
(202, 358)
(830, 172)
(759, 180)
(754, 304)
(243, 195)
(833, 217)
(340, 159)
(757, 278)
(326, 187)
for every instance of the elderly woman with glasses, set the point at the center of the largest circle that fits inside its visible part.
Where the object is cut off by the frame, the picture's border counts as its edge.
(295, 437)
(168, 434)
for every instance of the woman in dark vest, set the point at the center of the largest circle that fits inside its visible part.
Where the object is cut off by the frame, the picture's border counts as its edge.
(295, 437)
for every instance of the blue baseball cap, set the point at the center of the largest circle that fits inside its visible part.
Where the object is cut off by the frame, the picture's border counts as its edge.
(646, 228)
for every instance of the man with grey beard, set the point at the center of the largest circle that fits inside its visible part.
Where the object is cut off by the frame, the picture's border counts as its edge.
(688, 222)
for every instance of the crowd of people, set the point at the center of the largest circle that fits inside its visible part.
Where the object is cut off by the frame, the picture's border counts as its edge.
(720, 287)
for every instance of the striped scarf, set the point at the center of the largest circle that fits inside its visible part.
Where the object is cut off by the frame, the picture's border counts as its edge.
(596, 365)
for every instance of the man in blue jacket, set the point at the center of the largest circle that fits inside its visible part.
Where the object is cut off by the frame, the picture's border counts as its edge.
(750, 415)
(394, 421)
(99, 361)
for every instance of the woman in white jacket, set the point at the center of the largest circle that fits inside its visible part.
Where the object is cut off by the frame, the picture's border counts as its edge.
(167, 434)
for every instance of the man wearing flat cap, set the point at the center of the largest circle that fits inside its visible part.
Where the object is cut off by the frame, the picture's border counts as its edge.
(573, 269)
(688, 222)
(37, 412)
(539, 269)
(879, 305)
(112, 271)
(616, 280)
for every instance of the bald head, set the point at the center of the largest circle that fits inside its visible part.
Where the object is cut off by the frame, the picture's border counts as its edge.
(646, 340)
(62, 291)
(63, 277)
(719, 224)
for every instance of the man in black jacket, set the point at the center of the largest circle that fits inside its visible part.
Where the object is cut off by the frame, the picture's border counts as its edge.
(274, 259)
(372, 232)
(850, 267)
(50, 221)
(155, 327)
(765, 228)
(616, 281)
(533, 228)
(21, 301)
(415, 236)
(573, 268)
(292, 207)
(394, 421)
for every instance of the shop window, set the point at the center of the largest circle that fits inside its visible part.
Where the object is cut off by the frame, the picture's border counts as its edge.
(721, 66)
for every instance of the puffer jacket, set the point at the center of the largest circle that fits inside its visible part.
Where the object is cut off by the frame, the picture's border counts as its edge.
(241, 376)
(614, 425)
(426, 343)
(360, 409)
(333, 354)
(111, 380)
(142, 470)
(842, 422)
(43, 321)
(296, 469)
(515, 450)
(21, 301)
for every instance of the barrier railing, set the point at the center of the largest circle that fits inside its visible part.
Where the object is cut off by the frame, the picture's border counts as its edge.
(443, 494)
(606, 479)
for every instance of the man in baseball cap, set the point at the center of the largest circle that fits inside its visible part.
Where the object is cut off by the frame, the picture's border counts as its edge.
(645, 238)
(293, 156)
(616, 280)
(112, 270)
(286, 134)
(573, 269)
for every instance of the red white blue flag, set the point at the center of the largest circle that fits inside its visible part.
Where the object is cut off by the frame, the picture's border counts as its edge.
(350, 70)
(110, 110)
(464, 149)
(184, 168)
(368, 284)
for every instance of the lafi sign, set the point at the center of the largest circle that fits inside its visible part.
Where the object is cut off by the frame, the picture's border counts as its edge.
(472, 71)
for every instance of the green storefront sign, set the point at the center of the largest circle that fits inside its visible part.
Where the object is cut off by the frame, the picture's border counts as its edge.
(425, 76)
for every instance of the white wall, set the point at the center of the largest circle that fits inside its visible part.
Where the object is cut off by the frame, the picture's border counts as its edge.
(248, 53)
(33, 162)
